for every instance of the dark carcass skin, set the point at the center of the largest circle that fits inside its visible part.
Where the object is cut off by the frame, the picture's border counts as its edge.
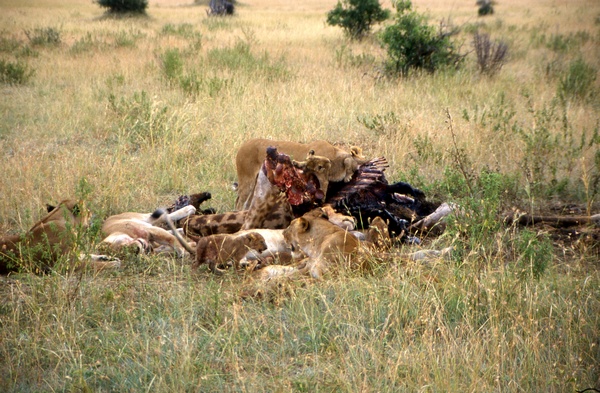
(194, 200)
(368, 194)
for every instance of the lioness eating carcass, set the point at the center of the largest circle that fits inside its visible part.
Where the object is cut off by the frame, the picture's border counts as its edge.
(251, 155)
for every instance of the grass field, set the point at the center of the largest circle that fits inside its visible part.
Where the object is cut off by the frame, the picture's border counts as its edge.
(129, 113)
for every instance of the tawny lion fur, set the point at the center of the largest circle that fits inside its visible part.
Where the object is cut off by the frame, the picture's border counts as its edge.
(325, 244)
(251, 155)
(51, 238)
(146, 232)
(217, 250)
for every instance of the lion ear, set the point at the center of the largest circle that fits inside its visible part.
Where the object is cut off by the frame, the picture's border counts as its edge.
(356, 151)
(49, 207)
(304, 224)
(76, 210)
(323, 213)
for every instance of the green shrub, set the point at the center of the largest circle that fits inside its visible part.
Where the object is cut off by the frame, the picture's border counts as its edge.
(534, 252)
(578, 82)
(193, 84)
(357, 17)
(86, 43)
(128, 38)
(545, 173)
(43, 36)
(185, 30)
(564, 43)
(9, 44)
(412, 43)
(121, 6)
(344, 57)
(481, 197)
(172, 64)
(17, 73)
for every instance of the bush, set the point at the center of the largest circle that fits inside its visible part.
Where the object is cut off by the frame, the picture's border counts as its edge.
(120, 6)
(220, 8)
(535, 254)
(490, 55)
(172, 64)
(578, 82)
(43, 36)
(412, 43)
(485, 7)
(357, 17)
(14, 73)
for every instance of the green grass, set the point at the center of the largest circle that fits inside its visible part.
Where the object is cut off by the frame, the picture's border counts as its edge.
(130, 113)
(445, 326)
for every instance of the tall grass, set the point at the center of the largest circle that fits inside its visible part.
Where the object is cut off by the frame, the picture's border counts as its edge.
(141, 110)
(453, 328)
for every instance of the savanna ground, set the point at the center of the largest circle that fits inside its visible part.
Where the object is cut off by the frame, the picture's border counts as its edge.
(129, 113)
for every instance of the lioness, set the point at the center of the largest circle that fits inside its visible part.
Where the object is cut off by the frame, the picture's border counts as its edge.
(278, 185)
(51, 238)
(321, 241)
(144, 231)
(251, 155)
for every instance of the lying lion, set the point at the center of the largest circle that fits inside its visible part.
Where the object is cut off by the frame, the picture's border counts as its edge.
(50, 239)
(325, 246)
(251, 155)
(145, 232)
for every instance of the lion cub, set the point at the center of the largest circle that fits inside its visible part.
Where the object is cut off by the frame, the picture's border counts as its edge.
(217, 250)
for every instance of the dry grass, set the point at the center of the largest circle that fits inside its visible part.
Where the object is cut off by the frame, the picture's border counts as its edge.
(101, 107)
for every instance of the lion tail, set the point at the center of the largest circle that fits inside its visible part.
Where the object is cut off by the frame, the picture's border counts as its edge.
(162, 214)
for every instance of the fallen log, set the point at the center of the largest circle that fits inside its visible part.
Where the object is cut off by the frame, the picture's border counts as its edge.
(523, 219)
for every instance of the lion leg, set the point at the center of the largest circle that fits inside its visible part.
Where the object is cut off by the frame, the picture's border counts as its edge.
(245, 194)
(165, 238)
(98, 262)
(212, 265)
(119, 241)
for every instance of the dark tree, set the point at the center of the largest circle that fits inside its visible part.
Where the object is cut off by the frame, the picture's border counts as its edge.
(123, 6)
(220, 7)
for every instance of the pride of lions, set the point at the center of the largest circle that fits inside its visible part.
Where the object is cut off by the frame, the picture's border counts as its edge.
(301, 210)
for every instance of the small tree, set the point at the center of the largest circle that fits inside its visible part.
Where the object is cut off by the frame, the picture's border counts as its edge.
(412, 43)
(357, 17)
(122, 6)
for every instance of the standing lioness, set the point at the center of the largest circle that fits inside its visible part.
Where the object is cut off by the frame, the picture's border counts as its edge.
(252, 153)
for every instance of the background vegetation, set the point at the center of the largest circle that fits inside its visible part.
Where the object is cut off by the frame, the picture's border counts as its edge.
(131, 112)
